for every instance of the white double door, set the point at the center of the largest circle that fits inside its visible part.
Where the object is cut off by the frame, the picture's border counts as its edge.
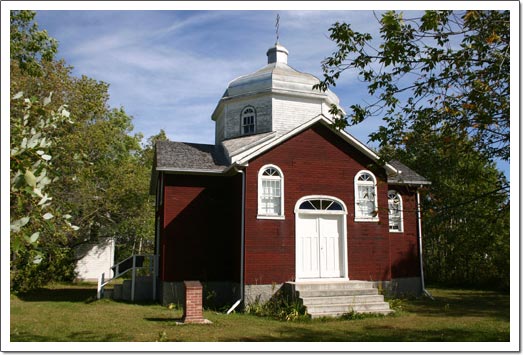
(318, 251)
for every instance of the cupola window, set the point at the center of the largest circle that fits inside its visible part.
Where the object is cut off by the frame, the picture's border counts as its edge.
(248, 119)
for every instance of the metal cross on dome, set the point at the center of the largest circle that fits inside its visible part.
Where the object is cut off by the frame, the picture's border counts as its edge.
(277, 27)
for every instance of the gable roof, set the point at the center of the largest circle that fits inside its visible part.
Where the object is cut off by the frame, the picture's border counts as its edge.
(406, 175)
(243, 157)
(187, 157)
(235, 146)
(194, 158)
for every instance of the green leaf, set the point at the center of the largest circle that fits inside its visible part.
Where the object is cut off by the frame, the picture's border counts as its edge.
(47, 100)
(30, 179)
(34, 237)
(37, 259)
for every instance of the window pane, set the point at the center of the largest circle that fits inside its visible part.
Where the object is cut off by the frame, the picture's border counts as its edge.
(306, 206)
(316, 204)
(270, 198)
(335, 206)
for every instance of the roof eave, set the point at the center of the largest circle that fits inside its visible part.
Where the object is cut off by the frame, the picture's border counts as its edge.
(191, 170)
(409, 182)
(246, 156)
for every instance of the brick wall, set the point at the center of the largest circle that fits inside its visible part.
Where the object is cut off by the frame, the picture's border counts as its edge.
(193, 307)
(201, 228)
(315, 162)
(404, 246)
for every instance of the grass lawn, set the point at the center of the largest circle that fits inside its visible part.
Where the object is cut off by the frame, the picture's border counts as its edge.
(70, 313)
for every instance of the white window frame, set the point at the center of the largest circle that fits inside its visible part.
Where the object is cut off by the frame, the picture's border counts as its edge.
(358, 216)
(242, 120)
(262, 214)
(400, 224)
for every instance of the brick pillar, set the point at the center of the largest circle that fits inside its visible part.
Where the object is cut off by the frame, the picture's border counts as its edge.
(192, 309)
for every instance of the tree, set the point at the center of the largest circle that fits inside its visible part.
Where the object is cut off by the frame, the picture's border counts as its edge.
(38, 227)
(30, 46)
(466, 236)
(442, 69)
(86, 157)
(137, 228)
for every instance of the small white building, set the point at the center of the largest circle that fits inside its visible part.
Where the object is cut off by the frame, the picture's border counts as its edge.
(95, 259)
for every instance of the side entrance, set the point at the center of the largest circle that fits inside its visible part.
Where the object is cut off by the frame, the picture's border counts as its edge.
(321, 237)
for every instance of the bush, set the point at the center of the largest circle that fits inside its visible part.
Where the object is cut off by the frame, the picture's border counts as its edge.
(279, 307)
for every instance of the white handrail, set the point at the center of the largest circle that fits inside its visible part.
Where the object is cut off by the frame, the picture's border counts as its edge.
(152, 267)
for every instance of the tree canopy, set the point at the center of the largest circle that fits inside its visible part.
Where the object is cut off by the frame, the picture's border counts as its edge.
(78, 173)
(466, 212)
(430, 72)
(441, 82)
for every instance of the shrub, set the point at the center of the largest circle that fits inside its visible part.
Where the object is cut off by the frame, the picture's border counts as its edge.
(279, 307)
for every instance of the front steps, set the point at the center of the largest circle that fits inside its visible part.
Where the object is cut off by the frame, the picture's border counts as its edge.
(335, 298)
(142, 292)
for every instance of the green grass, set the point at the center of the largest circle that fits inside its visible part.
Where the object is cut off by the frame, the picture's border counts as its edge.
(62, 313)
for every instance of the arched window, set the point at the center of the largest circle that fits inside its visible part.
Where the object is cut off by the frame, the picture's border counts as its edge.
(395, 212)
(365, 197)
(248, 119)
(270, 192)
(320, 204)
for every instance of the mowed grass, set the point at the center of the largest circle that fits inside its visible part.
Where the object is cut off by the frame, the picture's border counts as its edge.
(63, 313)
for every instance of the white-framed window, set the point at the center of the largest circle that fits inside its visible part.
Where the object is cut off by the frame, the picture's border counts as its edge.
(270, 193)
(248, 119)
(365, 197)
(395, 211)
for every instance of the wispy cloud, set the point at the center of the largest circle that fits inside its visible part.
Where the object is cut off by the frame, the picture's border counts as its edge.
(168, 69)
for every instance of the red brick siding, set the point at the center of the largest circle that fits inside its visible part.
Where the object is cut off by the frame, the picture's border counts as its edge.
(193, 307)
(404, 246)
(315, 162)
(201, 228)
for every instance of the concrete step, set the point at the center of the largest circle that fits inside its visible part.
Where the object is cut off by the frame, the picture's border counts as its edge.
(335, 314)
(333, 285)
(108, 293)
(333, 298)
(350, 300)
(338, 292)
(143, 289)
(377, 307)
(117, 292)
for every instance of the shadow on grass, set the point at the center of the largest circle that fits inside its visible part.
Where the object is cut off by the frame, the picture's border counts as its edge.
(164, 320)
(373, 334)
(84, 295)
(74, 295)
(84, 336)
(459, 303)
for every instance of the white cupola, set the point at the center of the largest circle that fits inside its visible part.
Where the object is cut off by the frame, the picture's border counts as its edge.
(275, 98)
(277, 54)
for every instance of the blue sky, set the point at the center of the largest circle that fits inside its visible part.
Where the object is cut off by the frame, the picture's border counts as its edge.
(169, 68)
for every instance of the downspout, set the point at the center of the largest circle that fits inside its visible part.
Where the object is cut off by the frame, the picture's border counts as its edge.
(418, 205)
(242, 243)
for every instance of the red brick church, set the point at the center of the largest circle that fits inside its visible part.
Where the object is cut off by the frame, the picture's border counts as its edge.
(282, 198)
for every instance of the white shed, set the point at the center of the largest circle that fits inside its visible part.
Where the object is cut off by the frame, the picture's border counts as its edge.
(95, 259)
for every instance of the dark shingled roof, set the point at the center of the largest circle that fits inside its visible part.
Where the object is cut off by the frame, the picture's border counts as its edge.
(407, 176)
(189, 156)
